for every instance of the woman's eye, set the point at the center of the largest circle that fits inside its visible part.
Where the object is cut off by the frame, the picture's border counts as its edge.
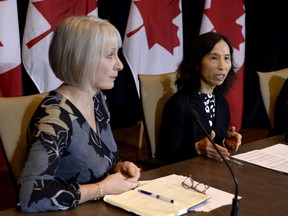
(110, 55)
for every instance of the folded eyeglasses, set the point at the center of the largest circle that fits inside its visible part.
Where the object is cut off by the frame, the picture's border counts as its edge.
(189, 183)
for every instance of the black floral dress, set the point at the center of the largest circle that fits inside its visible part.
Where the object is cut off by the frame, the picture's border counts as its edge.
(65, 152)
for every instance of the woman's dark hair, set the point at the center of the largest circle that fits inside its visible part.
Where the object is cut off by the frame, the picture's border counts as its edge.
(188, 72)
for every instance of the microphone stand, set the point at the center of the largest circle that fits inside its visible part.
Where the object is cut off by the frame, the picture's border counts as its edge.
(235, 202)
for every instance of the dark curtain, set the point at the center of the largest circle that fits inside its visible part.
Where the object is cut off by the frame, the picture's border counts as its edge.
(266, 50)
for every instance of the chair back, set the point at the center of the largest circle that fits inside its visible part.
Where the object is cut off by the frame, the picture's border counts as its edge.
(15, 115)
(270, 86)
(155, 90)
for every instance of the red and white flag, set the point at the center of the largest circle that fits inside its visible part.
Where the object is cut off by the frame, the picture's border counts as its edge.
(42, 18)
(153, 41)
(10, 55)
(228, 18)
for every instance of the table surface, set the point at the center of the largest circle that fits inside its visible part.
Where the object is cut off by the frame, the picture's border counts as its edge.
(263, 191)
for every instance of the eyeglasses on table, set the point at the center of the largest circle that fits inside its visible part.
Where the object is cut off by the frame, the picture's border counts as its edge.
(190, 183)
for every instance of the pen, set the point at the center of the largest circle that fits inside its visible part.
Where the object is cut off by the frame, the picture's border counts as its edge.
(156, 196)
(236, 162)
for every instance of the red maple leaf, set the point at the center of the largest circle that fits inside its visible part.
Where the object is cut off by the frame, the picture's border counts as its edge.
(56, 10)
(223, 14)
(157, 20)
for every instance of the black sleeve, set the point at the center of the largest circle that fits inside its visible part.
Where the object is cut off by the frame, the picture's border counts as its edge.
(176, 141)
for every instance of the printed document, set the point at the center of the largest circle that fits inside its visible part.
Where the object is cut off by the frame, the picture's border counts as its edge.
(274, 157)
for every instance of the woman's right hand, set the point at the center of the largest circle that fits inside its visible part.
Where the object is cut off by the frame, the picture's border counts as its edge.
(205, 147)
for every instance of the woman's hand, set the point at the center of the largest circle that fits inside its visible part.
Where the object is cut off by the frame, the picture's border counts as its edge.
(125, 178)
(205, 147)
(117, 183)
(128, 169)
(233, 139)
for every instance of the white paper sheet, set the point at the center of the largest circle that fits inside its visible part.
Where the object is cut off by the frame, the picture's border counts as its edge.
(274, 157)
(218, 197)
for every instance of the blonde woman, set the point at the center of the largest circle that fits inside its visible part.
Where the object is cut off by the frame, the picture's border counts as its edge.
(73, 157)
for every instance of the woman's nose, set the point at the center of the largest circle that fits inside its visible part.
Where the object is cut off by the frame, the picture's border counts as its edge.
(221, 64)
(119, 65)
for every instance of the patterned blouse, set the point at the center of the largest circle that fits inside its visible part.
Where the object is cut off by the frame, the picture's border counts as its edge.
(65, 152)
(209, 104)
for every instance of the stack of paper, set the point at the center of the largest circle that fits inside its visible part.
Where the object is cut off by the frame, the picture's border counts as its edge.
(274, 157)
(168, 187)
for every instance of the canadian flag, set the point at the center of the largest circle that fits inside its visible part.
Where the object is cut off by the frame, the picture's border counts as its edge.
(10, 55)
(42, 18)
(153, 41)
(228, 18)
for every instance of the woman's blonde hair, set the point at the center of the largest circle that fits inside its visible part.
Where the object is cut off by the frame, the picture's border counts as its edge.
(77, 46)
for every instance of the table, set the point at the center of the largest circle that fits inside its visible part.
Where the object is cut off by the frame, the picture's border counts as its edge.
(263, 191)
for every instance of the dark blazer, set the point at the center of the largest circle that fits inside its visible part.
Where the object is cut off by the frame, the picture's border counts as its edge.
(179, 132)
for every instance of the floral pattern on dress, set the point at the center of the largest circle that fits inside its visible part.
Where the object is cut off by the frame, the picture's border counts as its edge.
(65, 152)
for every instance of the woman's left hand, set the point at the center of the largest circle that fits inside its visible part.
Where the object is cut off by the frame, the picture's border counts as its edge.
(233, 139)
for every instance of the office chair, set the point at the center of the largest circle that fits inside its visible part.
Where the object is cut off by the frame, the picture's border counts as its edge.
(15, 115)
(155, 90)
(270, 86)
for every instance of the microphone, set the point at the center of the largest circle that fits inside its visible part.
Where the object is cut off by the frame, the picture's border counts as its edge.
(235, 202)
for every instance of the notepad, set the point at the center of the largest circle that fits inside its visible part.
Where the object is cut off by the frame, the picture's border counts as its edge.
(141, 204)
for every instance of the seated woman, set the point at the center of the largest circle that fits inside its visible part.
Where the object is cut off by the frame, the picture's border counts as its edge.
(204, 76)
(73, 157)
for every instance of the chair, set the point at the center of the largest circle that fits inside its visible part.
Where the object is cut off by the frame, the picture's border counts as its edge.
(270, 86)
(15, 115)
(155, 90)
